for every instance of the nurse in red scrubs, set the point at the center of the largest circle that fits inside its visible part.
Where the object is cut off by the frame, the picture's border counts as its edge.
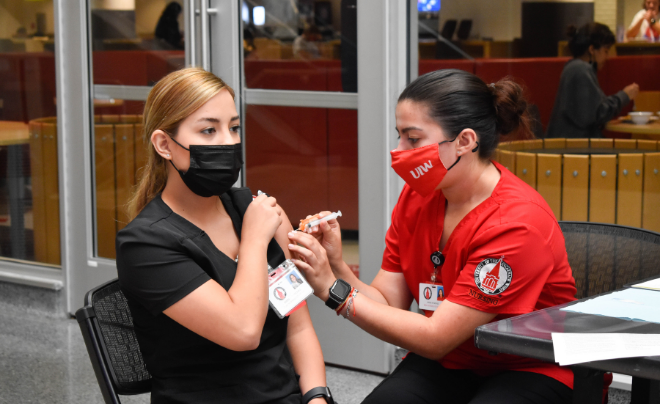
(469, 241)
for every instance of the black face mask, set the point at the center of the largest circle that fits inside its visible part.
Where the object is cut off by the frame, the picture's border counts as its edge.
(213, 169)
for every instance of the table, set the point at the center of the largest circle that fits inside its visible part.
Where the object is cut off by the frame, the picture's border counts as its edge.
(529, 335)
(637, 48)
(649, 131)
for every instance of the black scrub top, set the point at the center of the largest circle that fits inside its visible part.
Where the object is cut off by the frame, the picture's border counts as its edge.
(162, 257)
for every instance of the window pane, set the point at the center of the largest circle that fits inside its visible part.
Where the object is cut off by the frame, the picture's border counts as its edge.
(136, 42)
(528, 41)
(29, 193)
(307, 159)
(300, 45)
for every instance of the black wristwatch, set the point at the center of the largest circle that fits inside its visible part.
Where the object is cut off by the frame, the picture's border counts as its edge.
(338, 293)
(317, 392)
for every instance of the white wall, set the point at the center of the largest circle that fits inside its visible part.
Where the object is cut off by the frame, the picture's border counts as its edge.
(14, 14)
(497, 19)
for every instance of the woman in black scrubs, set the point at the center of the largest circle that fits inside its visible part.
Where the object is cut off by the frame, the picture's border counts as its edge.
(193, 262)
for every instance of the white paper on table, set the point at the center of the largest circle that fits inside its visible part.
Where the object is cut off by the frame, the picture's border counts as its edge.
(628, 304)
(653, 284)
(571, 348)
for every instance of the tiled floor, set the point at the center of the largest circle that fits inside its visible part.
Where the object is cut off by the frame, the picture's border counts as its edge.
(43, 360)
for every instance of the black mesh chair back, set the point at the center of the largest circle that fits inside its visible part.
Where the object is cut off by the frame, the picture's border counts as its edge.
(107, 327)
(464, 29)
(605, 257)
(448, 29)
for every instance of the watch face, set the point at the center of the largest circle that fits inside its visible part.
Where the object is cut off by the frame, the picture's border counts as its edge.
(341, 289)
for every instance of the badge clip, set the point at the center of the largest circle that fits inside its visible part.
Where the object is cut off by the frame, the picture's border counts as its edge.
(437, 258)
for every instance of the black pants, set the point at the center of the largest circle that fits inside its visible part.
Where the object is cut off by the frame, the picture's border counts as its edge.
(420, 380)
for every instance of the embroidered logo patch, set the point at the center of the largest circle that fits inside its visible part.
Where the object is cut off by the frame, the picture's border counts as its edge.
(493, 276)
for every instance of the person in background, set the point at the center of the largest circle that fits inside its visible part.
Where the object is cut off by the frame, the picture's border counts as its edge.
(305, 46)
(646, 23)
(193, 261)
(167, 29)
(581, 107)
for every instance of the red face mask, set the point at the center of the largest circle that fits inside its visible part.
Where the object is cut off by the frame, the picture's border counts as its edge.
(422, 168)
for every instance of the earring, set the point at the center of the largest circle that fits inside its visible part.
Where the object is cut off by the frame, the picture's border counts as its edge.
(168, 155)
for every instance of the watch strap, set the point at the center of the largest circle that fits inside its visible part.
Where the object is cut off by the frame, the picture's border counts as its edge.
(317, 392)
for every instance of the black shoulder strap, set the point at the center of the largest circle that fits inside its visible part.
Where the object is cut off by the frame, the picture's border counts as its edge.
(241, 199)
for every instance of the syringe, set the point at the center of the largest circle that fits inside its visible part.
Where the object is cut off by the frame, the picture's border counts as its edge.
(308, 226)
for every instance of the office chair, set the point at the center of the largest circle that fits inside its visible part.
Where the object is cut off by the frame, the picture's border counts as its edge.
(448, 29)
(107, 327)
(605, 257)
(464, 29)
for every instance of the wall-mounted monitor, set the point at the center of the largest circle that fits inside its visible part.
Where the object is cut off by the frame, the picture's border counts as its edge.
(259, 15)
(428, 6)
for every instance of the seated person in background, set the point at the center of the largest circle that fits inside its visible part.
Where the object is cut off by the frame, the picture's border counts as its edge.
(305, 46)
(581, 107)
(201, 314)
(646, 23)
(167, 28)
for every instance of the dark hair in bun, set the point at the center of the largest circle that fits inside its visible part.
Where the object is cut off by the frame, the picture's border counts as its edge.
(459, 100)
(592, 33)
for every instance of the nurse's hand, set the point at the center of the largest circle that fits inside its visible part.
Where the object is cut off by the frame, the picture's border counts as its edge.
(313, 262)
(329, 235)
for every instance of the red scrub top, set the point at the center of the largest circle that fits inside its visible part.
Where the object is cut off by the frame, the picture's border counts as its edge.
(507, 256)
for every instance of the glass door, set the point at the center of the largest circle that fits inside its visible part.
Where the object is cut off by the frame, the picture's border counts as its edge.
(131, 44)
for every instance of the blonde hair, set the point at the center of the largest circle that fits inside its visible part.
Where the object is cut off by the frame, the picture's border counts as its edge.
(174, 98)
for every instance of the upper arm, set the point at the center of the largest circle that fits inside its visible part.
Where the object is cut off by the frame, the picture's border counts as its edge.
(281, 234)
(393, 287)
(155, 269)
(506, 269)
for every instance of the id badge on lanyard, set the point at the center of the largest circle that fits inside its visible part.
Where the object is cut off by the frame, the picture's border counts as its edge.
(287, 288)
(430, 296)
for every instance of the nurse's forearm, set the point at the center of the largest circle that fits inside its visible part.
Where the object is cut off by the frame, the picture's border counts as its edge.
(432, 338)
(344, 272)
